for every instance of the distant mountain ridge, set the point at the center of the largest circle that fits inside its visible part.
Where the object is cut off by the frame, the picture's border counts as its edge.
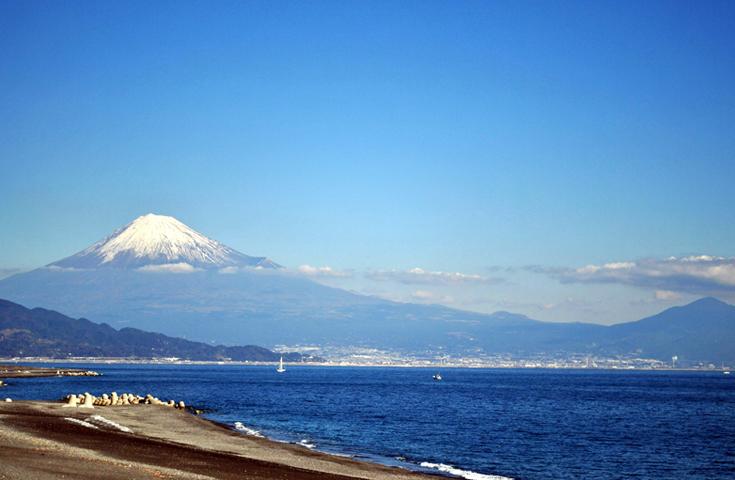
(159, 275)
(46, 333)
(703, 329)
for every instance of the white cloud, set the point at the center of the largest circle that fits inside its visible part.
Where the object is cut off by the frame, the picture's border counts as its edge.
(420, 276)
(430, 297)
(666, 295)
(56, 268)
(692, 274)
(169, 268)
(326, 271)
(423, 295)
(228, 270)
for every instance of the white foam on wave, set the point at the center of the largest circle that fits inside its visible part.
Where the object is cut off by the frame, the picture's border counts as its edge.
(248, 431)
(306, 443)
(468, 474)
(81, 422)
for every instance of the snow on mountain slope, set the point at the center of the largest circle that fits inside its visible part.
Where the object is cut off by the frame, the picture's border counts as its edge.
(153, 242)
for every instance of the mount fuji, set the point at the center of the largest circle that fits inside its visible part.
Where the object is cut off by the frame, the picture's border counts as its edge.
(160, 242)
(158, 274)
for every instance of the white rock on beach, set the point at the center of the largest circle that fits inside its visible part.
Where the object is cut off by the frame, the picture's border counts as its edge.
(81, 422)
(103, 422)
(72, 401)
(8, 400)
(88, 401)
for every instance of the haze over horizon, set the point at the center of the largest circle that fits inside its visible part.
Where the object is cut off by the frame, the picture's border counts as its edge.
(571, 162)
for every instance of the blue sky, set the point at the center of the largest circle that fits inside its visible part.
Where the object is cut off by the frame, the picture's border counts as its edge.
(478, 138)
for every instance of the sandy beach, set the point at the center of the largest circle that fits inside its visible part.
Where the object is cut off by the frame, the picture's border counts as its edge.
(44, 440)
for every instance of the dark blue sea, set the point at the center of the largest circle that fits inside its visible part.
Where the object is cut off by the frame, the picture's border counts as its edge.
(520, 424)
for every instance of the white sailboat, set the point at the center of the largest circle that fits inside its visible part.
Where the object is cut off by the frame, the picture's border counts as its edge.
(438, 376)
(280, 368)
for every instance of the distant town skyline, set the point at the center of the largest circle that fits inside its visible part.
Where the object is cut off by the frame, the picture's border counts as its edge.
(569, 161)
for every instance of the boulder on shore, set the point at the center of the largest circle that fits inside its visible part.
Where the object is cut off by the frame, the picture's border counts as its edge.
(88, 401)
(72, 401)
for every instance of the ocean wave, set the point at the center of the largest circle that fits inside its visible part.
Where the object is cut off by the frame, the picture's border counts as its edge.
(469, 475)
(306, 443)
(248, 431)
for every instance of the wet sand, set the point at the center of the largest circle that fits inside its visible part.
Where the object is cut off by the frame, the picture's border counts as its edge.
(37, 440)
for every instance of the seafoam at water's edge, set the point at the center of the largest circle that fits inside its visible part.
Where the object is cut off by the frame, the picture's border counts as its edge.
(306, 443)
(440, 467)
(469, 475)
(247, 430)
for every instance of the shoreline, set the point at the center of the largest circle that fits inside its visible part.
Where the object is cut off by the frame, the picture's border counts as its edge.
(66, 432)
(155, 361)
(46, 440)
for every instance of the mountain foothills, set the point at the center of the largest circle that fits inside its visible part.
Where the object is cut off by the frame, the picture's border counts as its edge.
(158, 274)
(46, 333)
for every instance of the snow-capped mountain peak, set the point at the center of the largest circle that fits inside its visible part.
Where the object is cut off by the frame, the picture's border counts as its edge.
(160, 236)
(159, 240)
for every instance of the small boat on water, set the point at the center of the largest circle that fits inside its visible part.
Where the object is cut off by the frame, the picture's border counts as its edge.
(280, 368)
(437, 377)
(726, 372)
